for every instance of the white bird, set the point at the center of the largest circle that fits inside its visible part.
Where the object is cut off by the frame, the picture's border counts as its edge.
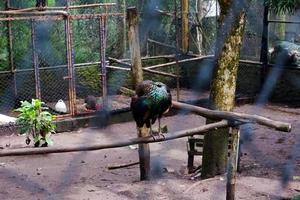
(4, 119)
(60, 106)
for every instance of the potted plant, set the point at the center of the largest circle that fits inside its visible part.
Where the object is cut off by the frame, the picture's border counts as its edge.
(36, 121)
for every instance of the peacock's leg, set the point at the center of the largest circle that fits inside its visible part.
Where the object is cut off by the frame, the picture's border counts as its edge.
(159, 134)
(151, 129)
(159, 129)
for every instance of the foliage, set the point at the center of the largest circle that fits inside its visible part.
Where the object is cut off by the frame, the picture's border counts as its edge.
(89, 76)
(296, 197)
(283, 6)
(35, 122)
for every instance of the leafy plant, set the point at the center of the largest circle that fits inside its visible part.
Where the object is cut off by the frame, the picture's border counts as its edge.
(36, 121)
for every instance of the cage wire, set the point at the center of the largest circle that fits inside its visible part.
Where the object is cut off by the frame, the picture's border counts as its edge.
(47, 50)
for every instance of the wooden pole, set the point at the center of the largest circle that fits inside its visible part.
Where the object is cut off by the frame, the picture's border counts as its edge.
(102, 35)
(70, 64)
(184, 25)
(137, 76)
(232, 164)
(134, 45)
(35, 62)
(234, 116)
(65, 7)
(179, 62)
(124, 30)
(264, 45)
(12, 12)
(126, 142)
(144, 69)
(10, 50)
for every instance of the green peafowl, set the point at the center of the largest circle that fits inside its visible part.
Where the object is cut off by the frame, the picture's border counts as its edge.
(151, 101)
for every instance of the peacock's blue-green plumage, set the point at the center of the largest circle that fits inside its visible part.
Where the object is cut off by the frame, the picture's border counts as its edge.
(152, 99)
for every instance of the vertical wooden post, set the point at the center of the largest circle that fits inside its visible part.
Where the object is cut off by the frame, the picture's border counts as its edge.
(70, 62)
(185, 25)
(232, 164)
(124, 30)
(102, 35)
(10, 50)
(35, 62)
(137, 76)
(264, 45)
(134, 45)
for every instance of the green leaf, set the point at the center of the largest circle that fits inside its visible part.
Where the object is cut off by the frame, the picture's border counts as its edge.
(32, 120)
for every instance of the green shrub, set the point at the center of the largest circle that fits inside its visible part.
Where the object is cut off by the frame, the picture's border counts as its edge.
(36, 122)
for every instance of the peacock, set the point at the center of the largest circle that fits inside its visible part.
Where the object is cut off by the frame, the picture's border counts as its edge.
(151, 101)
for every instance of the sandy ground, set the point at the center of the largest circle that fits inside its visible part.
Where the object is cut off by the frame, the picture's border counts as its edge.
(268, 158)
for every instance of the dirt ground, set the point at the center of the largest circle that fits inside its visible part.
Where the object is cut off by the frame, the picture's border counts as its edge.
(269, 159)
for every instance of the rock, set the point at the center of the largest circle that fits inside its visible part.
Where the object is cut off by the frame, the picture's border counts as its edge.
(5, 120)
(133, 146)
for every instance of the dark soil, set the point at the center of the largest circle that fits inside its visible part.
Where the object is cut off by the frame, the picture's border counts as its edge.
(269, 159)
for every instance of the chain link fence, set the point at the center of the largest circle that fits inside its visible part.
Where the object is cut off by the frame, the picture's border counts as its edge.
(42, 44)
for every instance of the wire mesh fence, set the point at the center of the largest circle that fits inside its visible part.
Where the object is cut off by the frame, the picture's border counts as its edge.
(40, 54)
(34, 52)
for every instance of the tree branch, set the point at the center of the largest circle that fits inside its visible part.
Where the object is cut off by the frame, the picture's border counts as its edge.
(170, 136)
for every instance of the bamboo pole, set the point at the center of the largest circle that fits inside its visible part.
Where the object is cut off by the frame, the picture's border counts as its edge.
(144, 69)
(126, 142)
(60, 17)
(13, 12)
(179, 61)
(118, 68)
(70, 65)
(234, 116)
(36, 18)
(102, 35)
(35, 62)
(232, 164)
(124, 30)
(77, 66)
(64, 7)
(185, 25)
(10, 50)
(161, 73)
(161, 44)
(137, 77)
(122, 61)
(284, 21)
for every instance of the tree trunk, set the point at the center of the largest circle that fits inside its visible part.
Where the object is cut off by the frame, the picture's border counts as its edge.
(230, 33)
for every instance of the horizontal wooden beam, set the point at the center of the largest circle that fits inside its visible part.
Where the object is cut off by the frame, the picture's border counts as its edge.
(126, 142)
(246, 118)
(170, 56)
(179, 62)
(13, 12)
(63, 7)
(144, 69)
